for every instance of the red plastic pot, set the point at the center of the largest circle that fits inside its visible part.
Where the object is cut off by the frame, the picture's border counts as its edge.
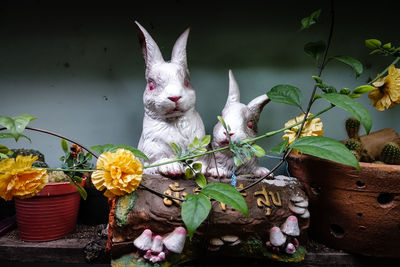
(50, 215)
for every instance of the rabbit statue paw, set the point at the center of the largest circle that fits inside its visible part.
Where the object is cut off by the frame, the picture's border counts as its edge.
(219, 172)
(260, 172)
(171, 170)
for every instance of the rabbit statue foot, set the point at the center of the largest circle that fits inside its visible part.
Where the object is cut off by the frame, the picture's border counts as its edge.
(219, 173)
(171, 170)
(261, 172)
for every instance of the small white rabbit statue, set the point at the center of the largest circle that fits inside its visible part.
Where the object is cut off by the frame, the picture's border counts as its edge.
(242, 120)
(169, 105)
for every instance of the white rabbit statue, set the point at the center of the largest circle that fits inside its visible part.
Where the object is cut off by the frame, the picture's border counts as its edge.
(169, 104)
(242, 120)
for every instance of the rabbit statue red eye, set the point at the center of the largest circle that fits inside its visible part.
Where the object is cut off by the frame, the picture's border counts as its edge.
(169, 111)
(152, 85)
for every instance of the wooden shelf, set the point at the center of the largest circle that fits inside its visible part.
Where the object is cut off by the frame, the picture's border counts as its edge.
(73, 250)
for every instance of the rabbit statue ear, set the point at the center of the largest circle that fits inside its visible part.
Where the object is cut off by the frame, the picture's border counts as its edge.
(234, 93)
(179, 50)
(151, 52)
(256, 106)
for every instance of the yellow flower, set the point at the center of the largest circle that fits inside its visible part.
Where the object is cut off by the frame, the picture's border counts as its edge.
(312, 127)
(119, 172)
(18, 179)
(387, 90)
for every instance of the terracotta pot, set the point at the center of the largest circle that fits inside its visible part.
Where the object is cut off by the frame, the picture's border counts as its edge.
(355, 211)
(50, 215)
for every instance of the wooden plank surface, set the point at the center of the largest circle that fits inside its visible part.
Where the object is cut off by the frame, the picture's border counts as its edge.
(71, 250)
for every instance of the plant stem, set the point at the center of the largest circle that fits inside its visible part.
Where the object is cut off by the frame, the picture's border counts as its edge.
(159, 194)
(57, 135)
(321, 68)
(247, 141)
(67, 170)
(384, 72)
(289, 127)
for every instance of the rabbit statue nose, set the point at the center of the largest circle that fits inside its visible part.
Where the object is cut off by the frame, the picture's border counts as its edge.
(174, 98)
(230, 134)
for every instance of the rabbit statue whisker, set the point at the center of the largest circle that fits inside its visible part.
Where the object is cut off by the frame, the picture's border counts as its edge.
(169, 105)
(242, 120)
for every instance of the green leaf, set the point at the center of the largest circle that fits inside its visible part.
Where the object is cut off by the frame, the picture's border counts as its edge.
(317, 96)
(78, 179)
(112, 148)
(196, 142)
(9, 135)
(352, 62)
(376, 51)
(136, 152)
(354, 95)
(310, 20)
(81, 191)
(363, 89)
(195, 210)
(237, 160)
(102, 148)
(315, 49)
(387, 46)
(197, 166)
(175, 148)
(351, 106)
(227, 194)
(64, 145)
(205, 140)
(4, 149)
(286, 94)
(246, 152)
(373, 43)
(188, 173)
(317, 79)
(16, 125)
(89, 156)
(281, 147)
(200, 180)
(344, 91)
(221, 120)
(202, 150)
(326, 148)
(258, 151)
(3, 156)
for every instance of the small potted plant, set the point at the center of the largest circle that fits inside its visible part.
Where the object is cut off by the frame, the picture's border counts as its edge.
(46, 203)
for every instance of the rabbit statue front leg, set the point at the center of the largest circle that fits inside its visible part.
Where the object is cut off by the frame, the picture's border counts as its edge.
(170, 170)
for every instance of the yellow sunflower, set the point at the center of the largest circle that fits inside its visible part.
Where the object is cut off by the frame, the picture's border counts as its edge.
(18, 179)
(119, 172)
(387, 90)
(313, 127)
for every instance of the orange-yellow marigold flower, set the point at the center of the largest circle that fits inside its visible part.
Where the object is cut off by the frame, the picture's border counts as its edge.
(18, 179)
(387, 90)
(119, 172)
(313, 127)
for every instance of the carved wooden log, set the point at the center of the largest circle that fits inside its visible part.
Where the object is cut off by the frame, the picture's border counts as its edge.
(270, 203)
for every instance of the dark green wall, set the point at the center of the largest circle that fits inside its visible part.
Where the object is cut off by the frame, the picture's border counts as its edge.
(78, 66)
